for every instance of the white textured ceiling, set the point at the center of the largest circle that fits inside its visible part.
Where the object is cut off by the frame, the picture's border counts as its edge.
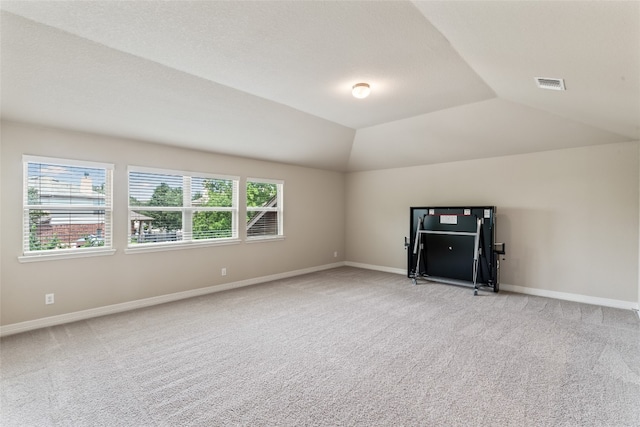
(271, 80)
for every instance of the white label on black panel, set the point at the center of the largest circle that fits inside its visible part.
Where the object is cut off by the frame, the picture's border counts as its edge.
(467, 212)
(432, 211)
(487, 213)
(448, 219)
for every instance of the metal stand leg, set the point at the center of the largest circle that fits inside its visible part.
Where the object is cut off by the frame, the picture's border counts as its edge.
(476, 257)
(417, 250)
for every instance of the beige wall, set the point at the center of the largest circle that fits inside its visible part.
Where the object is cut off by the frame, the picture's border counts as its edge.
(314, 206)
(569, 218)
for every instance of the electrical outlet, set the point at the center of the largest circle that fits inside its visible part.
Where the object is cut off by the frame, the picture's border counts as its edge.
(223, 271)
(48, 299)
(335, 254)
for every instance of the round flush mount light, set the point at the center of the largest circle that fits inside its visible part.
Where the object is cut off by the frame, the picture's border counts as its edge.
(361, 90)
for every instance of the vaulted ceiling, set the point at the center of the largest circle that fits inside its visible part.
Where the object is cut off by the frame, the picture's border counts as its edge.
(450, 80)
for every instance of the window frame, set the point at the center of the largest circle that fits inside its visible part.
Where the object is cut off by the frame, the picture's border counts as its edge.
(187, 210)
(29, 255)
(279, 209)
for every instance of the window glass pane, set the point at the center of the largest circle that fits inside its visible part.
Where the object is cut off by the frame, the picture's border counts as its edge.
(263, 212)
(212, 225)
(50, 184)
(158, 190)
(67, 205)
(152, 189)
(60, 229)
(262, 223)
(261, 194)
(211, 192)
(155, 226)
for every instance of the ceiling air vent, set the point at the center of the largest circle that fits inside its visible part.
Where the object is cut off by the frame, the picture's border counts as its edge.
(549, 83)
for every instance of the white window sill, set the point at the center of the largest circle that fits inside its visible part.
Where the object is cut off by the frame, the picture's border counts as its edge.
(55, 255)
(264, 239)
(160, 247)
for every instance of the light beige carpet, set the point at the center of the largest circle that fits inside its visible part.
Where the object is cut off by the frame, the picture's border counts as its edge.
(343, 347)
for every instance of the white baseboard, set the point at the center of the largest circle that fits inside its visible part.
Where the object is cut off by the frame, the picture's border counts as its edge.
(376, 267)
(44, 322)
(605, 302)
(586, 299)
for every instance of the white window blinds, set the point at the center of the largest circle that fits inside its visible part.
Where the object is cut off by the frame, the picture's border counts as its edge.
(264, 208)
(67, 206)
(166, 207)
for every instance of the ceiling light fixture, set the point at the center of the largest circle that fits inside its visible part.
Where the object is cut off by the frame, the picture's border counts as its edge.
(361, 90)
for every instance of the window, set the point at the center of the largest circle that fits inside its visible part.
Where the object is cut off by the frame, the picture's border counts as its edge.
(168, 208)
(67, 208)
(264, 208)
